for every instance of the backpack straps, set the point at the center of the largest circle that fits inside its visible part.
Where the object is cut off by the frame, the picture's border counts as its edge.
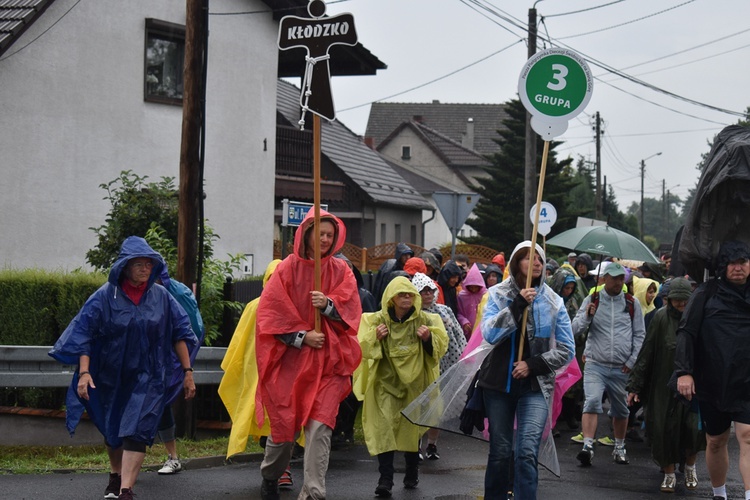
(629, 302)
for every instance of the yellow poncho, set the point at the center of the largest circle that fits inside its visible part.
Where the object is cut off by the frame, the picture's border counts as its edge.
(395, 371)
(240, 380)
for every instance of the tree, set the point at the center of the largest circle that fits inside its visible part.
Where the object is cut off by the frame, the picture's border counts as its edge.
(499, 217)
(150, 210)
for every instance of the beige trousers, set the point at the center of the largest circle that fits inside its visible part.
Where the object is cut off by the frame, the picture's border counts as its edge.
(317, 453)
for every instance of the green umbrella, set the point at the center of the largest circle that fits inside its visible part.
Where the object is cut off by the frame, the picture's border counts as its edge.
(604, 240)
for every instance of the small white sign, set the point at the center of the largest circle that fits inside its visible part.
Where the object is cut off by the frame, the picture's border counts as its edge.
(547, 217)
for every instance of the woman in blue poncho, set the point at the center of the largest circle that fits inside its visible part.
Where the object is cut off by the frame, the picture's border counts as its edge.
(124, 341)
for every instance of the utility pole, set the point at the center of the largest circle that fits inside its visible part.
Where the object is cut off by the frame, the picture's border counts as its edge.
(664, 201)
(193, 109)
(530, 157)
(669, 207)
(599, 194)
(605, 210)
(643, 169)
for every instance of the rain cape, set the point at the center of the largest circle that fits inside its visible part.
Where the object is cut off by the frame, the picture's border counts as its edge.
(395, 370)
(131, 350)
(240, 380)
(441, 405)
(722, 198)
(298, 384)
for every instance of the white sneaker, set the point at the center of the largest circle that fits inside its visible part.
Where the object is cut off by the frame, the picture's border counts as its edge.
(171, 466)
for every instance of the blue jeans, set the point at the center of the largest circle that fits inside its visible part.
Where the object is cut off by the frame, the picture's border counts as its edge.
(530, 409)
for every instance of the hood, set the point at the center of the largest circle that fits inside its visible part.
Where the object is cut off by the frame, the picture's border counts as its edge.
(562, 277)
(397, 285)
(403, 249)
(728, 252)
(270, 270)
(474, 277)
(586, 259)
(679, 289)
(430, 260)
(640, 287)
(499, 260)
(420, 281)
(438, 255)
(415, 265)
(134, 247)
(493, 268)
(524, 244)
(307, 222)
(449, 270)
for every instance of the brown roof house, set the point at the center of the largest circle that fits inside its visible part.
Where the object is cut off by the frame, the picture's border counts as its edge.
(446, 144)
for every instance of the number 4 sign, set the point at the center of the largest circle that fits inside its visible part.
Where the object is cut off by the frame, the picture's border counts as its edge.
(555, 85)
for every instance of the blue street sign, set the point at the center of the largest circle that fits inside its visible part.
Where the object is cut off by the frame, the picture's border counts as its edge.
(293, 212)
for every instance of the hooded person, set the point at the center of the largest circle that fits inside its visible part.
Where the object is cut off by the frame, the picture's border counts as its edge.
(432, 265)
(584, 264)
(125, 340)
(645, 290)
(304, 373)
(401, 350)
(493, 275)
(673, 429)
(240, 381)
(415, 265)
(448, 280)
(499, 260)
(384, 276)
(521, 391)
(472, 291)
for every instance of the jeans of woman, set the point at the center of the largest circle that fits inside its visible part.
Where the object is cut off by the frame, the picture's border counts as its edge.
(502, 409)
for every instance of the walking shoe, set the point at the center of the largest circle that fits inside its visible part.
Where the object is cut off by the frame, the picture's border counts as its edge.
(578, 438)
(411, 479)
(384, 487)
(431, 453)
(606, 441)
(269, 490)
(620, 455)
(126, 494)
(113, 488)
(171, 466)
(669, 483)
(691, 479)
(285, 481)
(586, 455)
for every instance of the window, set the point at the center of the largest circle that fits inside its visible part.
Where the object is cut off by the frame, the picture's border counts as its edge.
(398, 232)
(405, 152)
(164, 61)
(413, 233)
(382, 233)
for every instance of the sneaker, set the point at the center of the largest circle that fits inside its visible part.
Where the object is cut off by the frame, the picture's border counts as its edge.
(285, 481)
(113, 488)
(126, 494)
(606, 441)
(171, 466)
(620, 455)
(586, 455)
(420, 456)
(431, 453)
(269, 490)
(691, 479)
(578, 438)
(669, 483)
(384, 487)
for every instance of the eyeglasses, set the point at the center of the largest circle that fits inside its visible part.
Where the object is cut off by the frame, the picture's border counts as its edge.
(427, 290)
(141, 265)
(405, 294)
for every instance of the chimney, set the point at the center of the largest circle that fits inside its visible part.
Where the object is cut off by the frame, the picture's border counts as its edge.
(467, 140)
(370, 142)
(435, 101)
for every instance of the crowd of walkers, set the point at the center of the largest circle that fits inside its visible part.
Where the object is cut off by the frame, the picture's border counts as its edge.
(668, 358)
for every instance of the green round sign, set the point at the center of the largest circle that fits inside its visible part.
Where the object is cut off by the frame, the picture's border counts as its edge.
(555, 84)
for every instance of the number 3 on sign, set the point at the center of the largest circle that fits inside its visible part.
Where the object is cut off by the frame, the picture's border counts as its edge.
(560, 72)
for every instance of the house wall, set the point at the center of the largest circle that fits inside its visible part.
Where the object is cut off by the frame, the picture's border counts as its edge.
(423, 159)
(389, 218)
(73, 117)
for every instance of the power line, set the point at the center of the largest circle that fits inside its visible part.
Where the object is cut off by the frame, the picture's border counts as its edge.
(267, 11)
(585, 10)
(432, 81)
(42, 33)
(627, 22)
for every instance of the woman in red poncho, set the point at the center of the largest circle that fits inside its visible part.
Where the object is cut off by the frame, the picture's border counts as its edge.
(304, 374)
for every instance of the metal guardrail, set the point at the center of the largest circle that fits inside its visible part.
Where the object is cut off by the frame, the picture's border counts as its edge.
(30, 366)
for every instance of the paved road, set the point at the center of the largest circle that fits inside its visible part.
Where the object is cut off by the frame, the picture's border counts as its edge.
(458, 475)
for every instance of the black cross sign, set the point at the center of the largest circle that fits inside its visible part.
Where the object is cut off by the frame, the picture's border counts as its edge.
(317, 35)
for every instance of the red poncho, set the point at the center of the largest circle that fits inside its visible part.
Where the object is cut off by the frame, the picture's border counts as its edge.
(295, 384)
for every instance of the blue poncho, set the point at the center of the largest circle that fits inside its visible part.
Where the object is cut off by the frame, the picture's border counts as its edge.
(131, 351)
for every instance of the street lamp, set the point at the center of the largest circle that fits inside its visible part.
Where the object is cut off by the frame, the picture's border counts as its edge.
(643, 170)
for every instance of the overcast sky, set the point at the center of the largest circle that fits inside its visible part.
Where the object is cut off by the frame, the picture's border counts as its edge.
(697, 50)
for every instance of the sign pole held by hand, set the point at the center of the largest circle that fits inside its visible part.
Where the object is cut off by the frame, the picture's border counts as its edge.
(555, 85)
(317, 34)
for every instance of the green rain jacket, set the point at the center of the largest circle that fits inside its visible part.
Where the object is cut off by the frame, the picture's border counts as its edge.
(396, 370)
